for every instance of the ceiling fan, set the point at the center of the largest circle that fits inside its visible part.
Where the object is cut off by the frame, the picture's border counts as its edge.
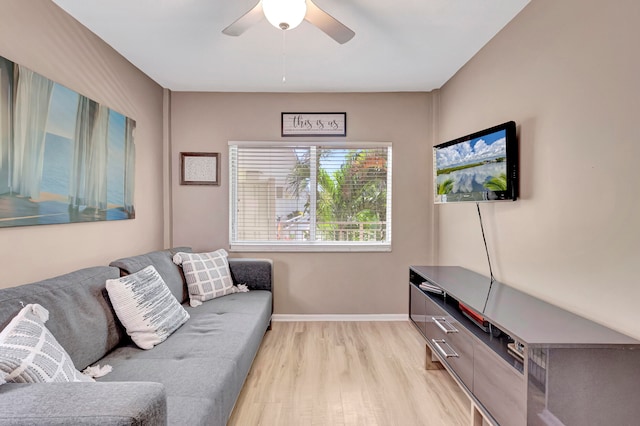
(288, 14)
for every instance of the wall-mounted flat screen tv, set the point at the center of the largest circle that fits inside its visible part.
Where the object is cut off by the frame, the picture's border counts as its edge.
(482, 166)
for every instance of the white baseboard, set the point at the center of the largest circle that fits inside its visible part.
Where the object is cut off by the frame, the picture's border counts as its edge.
(339, 317)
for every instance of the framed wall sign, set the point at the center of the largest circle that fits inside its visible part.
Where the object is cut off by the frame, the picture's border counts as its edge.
(199, 168)
(314, 124)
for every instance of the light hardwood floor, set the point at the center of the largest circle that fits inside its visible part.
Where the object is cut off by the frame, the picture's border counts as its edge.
(347, 373)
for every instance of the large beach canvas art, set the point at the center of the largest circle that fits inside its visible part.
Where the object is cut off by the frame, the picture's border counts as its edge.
(64, 158)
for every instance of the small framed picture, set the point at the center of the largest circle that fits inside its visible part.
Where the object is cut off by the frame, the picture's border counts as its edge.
(199, 168)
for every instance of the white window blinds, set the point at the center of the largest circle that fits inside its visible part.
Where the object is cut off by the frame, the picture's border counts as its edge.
(304, 196)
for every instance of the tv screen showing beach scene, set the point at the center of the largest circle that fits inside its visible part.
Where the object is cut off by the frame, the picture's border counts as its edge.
(473, 169)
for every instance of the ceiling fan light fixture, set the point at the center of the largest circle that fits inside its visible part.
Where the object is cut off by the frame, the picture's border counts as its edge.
(284, 14)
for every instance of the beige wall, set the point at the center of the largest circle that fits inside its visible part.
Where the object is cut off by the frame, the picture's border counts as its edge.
(568, 72)
(39, 35)
(313, 283)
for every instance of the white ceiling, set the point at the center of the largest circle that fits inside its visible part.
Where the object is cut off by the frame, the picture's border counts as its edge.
(402, 45)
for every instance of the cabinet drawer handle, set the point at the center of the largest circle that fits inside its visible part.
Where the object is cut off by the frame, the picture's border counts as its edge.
(448, 352)
(444, 325)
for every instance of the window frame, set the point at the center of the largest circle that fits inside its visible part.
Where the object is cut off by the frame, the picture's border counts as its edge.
(307, 246)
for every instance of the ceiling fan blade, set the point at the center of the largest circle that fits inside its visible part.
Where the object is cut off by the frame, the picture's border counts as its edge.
(328, 24)
(246, 21)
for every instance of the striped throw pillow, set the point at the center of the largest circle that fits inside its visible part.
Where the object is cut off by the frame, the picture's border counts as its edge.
(145, 306)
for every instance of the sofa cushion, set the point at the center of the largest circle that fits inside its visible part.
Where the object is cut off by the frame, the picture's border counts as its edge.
(204, 364)
(146, 307)
(221, 327)
(207, 275)
(80, 314)
(83, 404)
(199, 391)
(162, 261)
(30, 354)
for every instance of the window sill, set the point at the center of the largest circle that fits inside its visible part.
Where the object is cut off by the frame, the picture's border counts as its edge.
(311, 248)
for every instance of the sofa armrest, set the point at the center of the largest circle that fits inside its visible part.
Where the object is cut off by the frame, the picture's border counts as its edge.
(115, 403)
(257, 274)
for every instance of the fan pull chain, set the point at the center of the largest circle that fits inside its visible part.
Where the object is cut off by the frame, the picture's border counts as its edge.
(284, 56)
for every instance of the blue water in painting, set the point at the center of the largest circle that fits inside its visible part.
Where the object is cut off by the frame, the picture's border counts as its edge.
(57, 165)
(58, 156)
(115, 165)
(58, 153)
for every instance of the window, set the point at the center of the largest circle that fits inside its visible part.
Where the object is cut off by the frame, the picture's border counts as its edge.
(308, 197)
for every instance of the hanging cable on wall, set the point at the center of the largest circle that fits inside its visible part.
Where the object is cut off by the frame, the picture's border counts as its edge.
(486, 249)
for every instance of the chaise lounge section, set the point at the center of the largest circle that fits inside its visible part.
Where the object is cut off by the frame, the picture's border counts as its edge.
(194, 377)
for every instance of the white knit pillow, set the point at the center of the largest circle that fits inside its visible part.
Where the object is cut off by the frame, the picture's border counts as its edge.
(207, 275)
(145, 306)
(29, 353)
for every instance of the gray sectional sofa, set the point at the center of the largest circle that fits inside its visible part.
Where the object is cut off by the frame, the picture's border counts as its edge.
(192, 378)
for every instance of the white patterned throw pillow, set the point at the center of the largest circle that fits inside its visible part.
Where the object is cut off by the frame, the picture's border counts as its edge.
(29, 353)
(145, 306)
(207, 275)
